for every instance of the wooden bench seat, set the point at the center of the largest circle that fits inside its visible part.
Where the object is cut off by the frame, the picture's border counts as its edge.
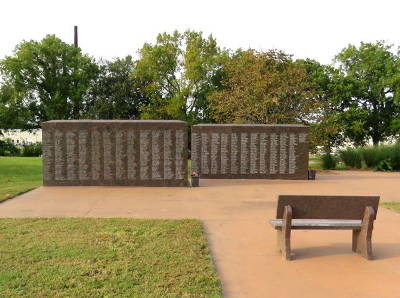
(319, 224)
(356, 213)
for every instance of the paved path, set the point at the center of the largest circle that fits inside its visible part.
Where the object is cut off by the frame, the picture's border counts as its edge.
(235, 213)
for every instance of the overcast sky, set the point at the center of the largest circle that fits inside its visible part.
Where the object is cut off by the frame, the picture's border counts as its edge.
(116, 28)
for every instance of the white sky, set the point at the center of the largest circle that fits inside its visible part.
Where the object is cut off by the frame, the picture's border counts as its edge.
(116, 28)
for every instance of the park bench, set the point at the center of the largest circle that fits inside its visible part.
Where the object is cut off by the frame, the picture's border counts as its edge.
(297, 212)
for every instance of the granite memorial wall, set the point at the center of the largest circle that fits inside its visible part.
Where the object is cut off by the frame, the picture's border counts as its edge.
(250, 151)
(115, 152)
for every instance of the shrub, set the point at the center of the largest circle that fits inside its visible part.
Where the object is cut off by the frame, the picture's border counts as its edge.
(385, 152)
(381, 158)
(384, 166)
(328, 161)
(7, 148)
(395, 157)
(372, 156)
(32, 150)
(351, 157)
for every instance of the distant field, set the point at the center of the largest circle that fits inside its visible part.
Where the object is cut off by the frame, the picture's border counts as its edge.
(92, 257)
(18, 175)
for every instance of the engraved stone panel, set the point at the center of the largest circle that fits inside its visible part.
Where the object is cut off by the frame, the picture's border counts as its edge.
(109, 167)
(132, 155)
(215, 148)
(120, 155)
(72, 155)
(292, 153)
(205, 154)
(273, 161)
(244, 153)
(302, 137)
(282, 153)
(234, 153)
(145, 147)
(83, 155)
(48, 155)
(96, 155)
(115, 152)
(250, 151)
(59, 155)
(254, 153)
(195, 152)
(156, 154)
(180, 161)
(168, 159)
(224, 153)
(263, 152)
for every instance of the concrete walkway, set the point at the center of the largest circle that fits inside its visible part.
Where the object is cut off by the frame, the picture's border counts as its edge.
(235, 214)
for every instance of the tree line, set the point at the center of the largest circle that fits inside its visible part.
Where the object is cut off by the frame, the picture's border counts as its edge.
(189, 77)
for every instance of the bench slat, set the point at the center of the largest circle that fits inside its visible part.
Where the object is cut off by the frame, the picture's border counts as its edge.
(319, 224)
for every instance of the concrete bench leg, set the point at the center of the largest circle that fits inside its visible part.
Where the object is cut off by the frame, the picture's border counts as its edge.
(279, 240)
(356, 233)
(363, 243)
(284, 234)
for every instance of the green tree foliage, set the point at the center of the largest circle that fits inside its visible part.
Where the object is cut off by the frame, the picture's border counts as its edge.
(396, 128)
(369, 86)
(187, 76)
(264, 87)
(181, 71)
(116, 93)
(326, 129)
(13, 110)
(44, 80)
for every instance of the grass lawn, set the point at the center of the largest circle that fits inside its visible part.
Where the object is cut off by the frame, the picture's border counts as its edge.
(75, 257)
(395, 206)
(316, 163)
(18, 175)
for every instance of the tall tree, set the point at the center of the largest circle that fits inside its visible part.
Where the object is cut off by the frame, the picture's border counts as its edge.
(181, 71)
(13, 112)
(48, 79)
(370, 88)
(116, 93)
(263, 87)
(326, 129)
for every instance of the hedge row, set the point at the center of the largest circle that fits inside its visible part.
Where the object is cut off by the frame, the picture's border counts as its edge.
(380, 158)
(7, 148)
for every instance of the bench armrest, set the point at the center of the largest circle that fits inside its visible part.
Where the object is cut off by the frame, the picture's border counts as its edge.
(287, 218)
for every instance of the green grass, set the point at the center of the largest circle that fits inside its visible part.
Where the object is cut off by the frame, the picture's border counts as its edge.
(395, 206)
(98, 257)
(75, 257)
(18, 175)
(316, 163)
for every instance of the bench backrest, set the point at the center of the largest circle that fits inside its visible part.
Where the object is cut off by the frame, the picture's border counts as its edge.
(327, 207)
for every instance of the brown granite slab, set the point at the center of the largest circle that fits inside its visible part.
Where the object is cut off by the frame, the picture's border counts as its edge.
(115, 152)
(250, 151)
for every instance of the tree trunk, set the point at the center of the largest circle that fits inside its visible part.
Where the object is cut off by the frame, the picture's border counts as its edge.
(375, 141)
